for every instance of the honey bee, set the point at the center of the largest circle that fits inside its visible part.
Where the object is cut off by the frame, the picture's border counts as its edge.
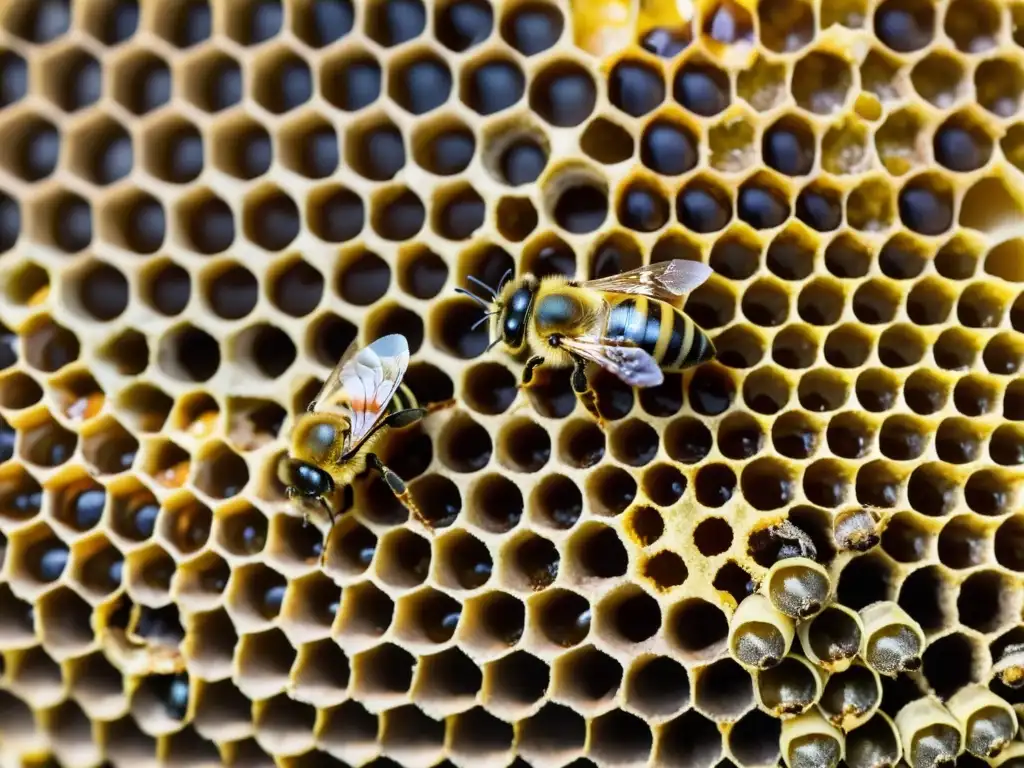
(332, 443)
(628, 324)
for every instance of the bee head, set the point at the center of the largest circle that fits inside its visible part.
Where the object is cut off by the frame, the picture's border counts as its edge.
(508, 308)
(303, 478)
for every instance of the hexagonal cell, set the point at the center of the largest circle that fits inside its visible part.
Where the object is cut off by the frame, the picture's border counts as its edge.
(141, 81)
(46, 444)
(72, 78)
(63, 219)
(321, 673)
(282, 80)
(554, 732)
(172, 150)
(63, 620)
(702, 88)
(939, 78)
(563, 94)
(419, 81)
(999, 84)
(514, 684)
(200, 582)
(383, 673)
(251, 22)
(255, 594)
(264, 660)
(586, 679)
(189, 354)
(657, 686)
(905, 25)
(319, 23)
(636, 87)
(148, 573)
(212, 80)
(32, 148)
(184, 24)
(393, 22)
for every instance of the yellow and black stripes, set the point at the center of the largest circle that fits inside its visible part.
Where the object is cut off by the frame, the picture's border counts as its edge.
(659, 329)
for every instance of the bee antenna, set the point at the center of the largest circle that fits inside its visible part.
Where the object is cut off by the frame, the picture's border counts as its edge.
(482, 284)
(481, 320)
(504, 279)
(473, 296)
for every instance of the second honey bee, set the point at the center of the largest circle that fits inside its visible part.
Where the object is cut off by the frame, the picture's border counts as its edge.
(629, 324)
(332, 443)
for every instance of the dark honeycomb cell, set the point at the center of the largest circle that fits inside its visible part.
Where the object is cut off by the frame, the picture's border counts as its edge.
(462, 24)
(39, 22)
(375, 151)
(788, 147)
(606, 142)
(563, 93)
(420, 83)
(522, 161)
(335, 214)
(926, 205)
(142, 82)
(185, 24)
(139, 223)
(255, 21)
(668, 148)
(905, 25)
(232, 292)
(702, 206)
(399, 215)
(762, 206)
(271, 219)
(15, 81)
(393, 22)
(581, 208)
(667, 42)
(352, 81)
(532, 27)
(446, 149)
(213, 82)
(460, 215)
(492, 86)
(74, 79)
(34, 147)
(820, 207)
(702, 88)
(206, 223)
(643, 207)
(282, 81)
(323, 22)
(102, 291)
(635, 87)
(962, 145)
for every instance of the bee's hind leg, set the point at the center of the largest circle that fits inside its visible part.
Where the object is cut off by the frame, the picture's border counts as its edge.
(397, 486)
(584, 392)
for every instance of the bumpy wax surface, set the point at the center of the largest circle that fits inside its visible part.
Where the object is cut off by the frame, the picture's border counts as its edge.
(203, 202)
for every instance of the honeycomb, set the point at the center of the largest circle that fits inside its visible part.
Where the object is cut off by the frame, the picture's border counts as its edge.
(807, 549)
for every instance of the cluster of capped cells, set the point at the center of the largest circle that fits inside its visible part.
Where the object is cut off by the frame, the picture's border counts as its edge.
(809, 549)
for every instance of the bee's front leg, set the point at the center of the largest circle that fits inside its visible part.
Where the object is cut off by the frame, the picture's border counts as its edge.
(584, 392)
(397, 486)
(531, 365)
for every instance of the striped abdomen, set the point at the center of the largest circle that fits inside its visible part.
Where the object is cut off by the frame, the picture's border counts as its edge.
(661, 330)
(403, 400)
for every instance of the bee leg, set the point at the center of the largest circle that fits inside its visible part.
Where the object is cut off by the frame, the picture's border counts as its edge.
(584, 392)
(327, 538)
(532, 364)
(397, 486)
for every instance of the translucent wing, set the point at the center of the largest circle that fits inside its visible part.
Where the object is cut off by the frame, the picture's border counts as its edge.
(368, 381)
(665, 280)
(332, 385)
(631, 364)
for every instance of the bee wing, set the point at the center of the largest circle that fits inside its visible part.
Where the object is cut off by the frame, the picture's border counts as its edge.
(631, 364)
(368, 381)
(665, 280)
(332, 385)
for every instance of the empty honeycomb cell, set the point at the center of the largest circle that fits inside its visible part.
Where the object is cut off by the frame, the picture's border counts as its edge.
(365, 614)
(212, 82)
(419, 81)
(270, 218)
(606, 142)
(149, 572)
(563, 94)
(375, 149)
(999, 84)
(309, 147)
(34, 147)
(949, 663)
(493, 622)
(514, 684)
(796, 435)
(1003, 354)
(979, 605)
(788, 146)
(554, 731)
(240, 147)
(351, 80)
(620, 736)
(492, 85)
